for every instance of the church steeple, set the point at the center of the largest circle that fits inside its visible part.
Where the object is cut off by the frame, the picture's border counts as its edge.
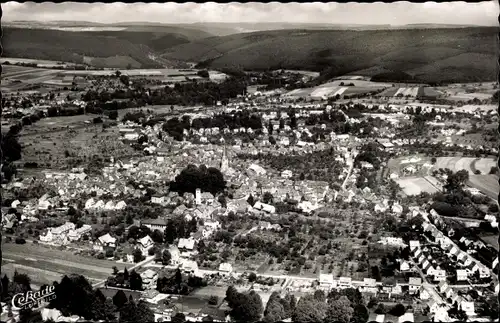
(224, 164)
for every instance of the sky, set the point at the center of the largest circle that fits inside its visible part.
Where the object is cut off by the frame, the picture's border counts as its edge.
(396, 13)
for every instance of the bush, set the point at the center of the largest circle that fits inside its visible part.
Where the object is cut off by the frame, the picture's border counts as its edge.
(214, 300)
(101, 256)
(20, 240)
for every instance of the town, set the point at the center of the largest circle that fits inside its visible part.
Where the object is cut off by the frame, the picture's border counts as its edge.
(221, 196)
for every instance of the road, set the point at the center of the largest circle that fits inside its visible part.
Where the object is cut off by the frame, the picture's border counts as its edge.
(428, 286)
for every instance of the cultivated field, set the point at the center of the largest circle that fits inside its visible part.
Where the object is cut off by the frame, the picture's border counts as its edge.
(469, 164)
(338, 87)
(416, 185)
(44, 264)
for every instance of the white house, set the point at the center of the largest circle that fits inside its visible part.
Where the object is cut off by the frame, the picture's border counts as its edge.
(145, 244)
(226, 268)
(190, 266)
(187, 244)
(105, 241)
(462, 275)
(264, 207)
(175, 255)
(404, 266)
(440, 275)
(74, 235)
(326, 281)
(407, 317)
(149, 278)
(345, 282)
(414, 244)
(414, 284)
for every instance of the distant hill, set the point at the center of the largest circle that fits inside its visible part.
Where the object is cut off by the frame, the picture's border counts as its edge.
(430, 54)
(72, 42)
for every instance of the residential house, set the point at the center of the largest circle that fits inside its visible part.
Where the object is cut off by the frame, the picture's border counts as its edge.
(424, 294)
(145, 244)
(175, 255)
(77, 234)
(345, 282)
(326, 281)
(414, 245)
(157, 199)
(407, 317)
(190, 267)
(414, 284)
(149, 278)
(105, 241)
(448, 292)
(468, 308)
(427, 268)
(484, 272)
(207, 198)
(264, 207)
(440, 275)
(226, 268)
(186, 244)
(404, 266)
(433, 306)
(462, 275)
(472, 267)
(369, 286)
(155, 224)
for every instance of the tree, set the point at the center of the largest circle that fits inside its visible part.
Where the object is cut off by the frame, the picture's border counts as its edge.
(275, 311)
(252, 277)
(247, 307)
(267, 198)
(231, 294)
(138, 257)
(456, 180)
(398, 310)
(214, 300)
(320, 296)
(308, 309)
(120, 299)
(166, 257)
(135, 281)
(361, 314)
(433, 160)
(179, 318)
(340, 310)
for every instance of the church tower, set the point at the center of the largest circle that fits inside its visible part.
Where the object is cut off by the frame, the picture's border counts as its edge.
(224, 164)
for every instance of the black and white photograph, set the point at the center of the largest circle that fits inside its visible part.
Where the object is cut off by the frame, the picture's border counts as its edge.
(249, 162)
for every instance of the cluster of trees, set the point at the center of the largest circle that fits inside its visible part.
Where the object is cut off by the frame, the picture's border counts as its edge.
(178, 227)
(125, 279)
(178, 284)
(11, 151)
(190, 93)
(192, 177)
(245, 307)
(344, 306)
(372, 154)
(318, 165)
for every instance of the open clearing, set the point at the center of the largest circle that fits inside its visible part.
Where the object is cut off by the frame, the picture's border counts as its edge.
(416, 185)
(45, 265)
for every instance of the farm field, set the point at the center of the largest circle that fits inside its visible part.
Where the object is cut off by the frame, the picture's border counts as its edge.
(487, 184)
(44, 264)
(416, 185)
(469, 164)
(338, 87)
